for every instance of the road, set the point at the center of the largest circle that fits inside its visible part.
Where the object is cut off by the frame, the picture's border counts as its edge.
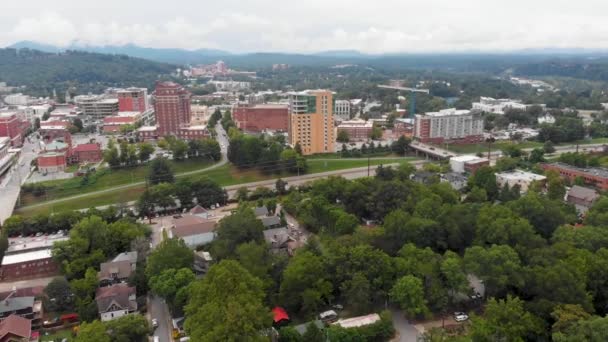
(18, 173)
(221, 137)
(157, 308)
(407, 332)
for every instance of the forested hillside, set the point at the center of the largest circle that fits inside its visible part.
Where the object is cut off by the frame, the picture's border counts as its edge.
(42, 72)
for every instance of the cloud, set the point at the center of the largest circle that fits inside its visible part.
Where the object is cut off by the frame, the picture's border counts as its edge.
(316, 25)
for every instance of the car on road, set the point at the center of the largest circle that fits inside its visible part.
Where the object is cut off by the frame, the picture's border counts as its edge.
(154, 323)
(460, 316)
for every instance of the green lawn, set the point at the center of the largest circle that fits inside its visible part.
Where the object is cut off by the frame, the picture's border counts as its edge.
(57, 336)
(224, 175)
(106, 178)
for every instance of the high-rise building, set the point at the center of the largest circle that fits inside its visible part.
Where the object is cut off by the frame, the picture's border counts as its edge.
(342, 110)
(132, 100)
(311, 122)
(96, 106)
(172, 107)
(449, 125)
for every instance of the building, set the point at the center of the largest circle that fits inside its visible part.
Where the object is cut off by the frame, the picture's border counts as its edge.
(595, 176)
(200, 114)
(118, 270)
(231, 86)
(311, 122)
(28, 265)
(193, 132)
(90, 153)
(500, 106)
(132, 100)
(277, 239)
(449, 125)
(36, 112)
(17, 329)
(96, 107)
(356, 322)
(582, 198)
(342, 109)
(263, 117)
(172, 107)
(17, 99)
(403, 127)
(13, 128)
(357, 130)
(6, 158)
(518, 177)
(458, 181)
(56, 132)
(467, 163)
(26, 307)
(115, 301)
(194, 230)
(146, 133)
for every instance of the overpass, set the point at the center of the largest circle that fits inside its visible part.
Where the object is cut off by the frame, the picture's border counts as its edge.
(431, 152)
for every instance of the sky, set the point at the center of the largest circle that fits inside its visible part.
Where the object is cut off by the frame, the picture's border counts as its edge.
(378, 26)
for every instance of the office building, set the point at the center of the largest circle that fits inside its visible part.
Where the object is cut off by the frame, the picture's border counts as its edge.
(451, 125)
(500, 106)
(596, 176)
(96, 107)
(467, 163)
(13, 128)
(260, 118)
(132, 99)
(17, 99)
(172, 107)
(311, 122)
(342, 110)
(357, 130)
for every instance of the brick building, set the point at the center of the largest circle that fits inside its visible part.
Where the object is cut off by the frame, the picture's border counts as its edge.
(13, 128)
(311, 121)
(132, 100)
(595, 176)
(358, 130)
(264, 117)
(86, 153)
(172, 107)
(49, 162)
(28, 265)
(52, 133)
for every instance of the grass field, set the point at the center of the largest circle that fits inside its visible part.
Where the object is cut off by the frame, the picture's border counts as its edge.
(57, 336)
(224, 175)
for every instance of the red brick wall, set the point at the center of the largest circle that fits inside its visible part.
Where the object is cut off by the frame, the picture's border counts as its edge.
(30, 269)
(598, 181)
(254, 119)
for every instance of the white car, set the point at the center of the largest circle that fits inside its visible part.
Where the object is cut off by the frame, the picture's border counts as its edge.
(154, 322)
(460, 316)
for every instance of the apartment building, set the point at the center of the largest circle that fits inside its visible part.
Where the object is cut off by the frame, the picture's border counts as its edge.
(132, 99)
(499, 106)
(311, 122)
(172, 107)
(357, 130)
(449, 125)
(342, 110)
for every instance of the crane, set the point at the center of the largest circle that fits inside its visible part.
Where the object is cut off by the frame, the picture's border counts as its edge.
(412, 91)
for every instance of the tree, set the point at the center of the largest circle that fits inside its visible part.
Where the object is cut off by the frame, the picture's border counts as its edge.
(485, 179)
(357, 292)
(548, 147)
(499, 225)
(227, 305)
(298, 148)
(145, 150)
(343, 136)
(132, 328)
(281, 186)
(401, 145)
(58, 295)
(505, 320)
(232, 230)
(376, 133)
(3, 243)
(77, 123)
(556, 189)
(111, 157)
(453, 274)
(179, 148)
(313, 334)
(146, 205)
(95, 331)
(169, 283)
(408, 293)
(498, 266)
(536, 156)
(160, 171)
(594, 329)
(567, 315)
(305, 285)
(170, 254)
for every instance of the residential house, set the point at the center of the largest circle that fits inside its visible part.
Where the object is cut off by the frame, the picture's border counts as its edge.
(115, 301)
(117, 270)
(518, 177)
(582, 198)
(278, 239)
(202, 262)
(458, 181)
(260, 211)
(425, 177)
(271, 222)
(200, 212)
(194, 230)
(26, 307)
(17, 329)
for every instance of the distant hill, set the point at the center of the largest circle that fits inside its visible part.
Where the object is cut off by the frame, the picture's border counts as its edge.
(41, 72)
(176, 56)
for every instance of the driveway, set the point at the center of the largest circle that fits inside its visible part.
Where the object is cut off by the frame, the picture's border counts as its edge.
(407, 332)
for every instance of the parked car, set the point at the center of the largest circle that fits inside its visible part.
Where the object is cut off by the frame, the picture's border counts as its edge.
(460, 316)
(154, 322)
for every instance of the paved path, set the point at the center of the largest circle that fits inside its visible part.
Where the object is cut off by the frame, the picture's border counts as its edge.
(157, 308)
(407, 332)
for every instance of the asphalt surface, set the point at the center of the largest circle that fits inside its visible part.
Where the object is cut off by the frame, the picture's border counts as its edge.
(157, 308)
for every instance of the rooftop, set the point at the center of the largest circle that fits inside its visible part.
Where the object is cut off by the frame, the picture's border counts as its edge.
(87, 148)
(15, 326)
(449, 112)
(583, 193)
(147, 129)
(189, 225)
(519, 174)
(27, 256)
(360, 321)
(18, 245)
(467, 158)
(595, 171)
(356, 123)
(16, 303)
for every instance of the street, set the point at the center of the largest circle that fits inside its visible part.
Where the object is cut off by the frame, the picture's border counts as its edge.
(157, 308)
(406, 331)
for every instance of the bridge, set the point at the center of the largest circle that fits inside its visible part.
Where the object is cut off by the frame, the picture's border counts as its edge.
(432, 152)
